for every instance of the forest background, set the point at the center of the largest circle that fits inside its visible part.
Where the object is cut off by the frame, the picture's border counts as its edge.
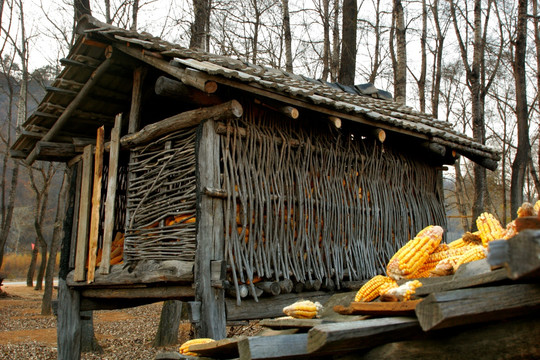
(474, 64)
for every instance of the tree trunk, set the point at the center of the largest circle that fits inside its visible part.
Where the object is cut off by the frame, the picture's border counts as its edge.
(42, 265)
(134, 15)
(89, 342)
(32, 267)
(334, 70)
(169, 322)
(400, 58)
(55, 243)
(347, 69)
(82, 7)
(10, 206)
(377, 52)
(287, 35)
(423, 67)
(201, 9)
(437, 63)
(325, 17)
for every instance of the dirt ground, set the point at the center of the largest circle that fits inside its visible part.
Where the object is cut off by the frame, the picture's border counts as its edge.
(122, 334)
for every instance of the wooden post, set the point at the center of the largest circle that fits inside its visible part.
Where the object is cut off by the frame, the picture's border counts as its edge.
(84, 214)
(68, 329)
(111, 197)
(96, 206)
(210, 239)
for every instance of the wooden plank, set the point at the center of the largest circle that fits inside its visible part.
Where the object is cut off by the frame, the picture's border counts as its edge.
(136, 95)
(228, 110)
(355, 335)
(520, 256)
(108, 228)
(76, 207)
(398, 308)
(491, 277)
(73, 105)
(210, 238)
(84, 214)
(220, 349)
(273, 347)
(69, 323)
(288, 322)
(467, 306)
(269, 307)
(96, 206)
(517, 337)
(167, 292)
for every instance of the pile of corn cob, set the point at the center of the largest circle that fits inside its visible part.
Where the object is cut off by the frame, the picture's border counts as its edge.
(425, 255)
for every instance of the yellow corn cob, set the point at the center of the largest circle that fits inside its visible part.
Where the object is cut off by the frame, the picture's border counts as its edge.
(536, 206)
(304, 309)
(489, 227)
(526, 209)
(475, 253)
(405, 291)
(438, 256)
(445, 266)
(467, 239)
(410, 257)
(511, 230)
(184, 348)
(370, 290)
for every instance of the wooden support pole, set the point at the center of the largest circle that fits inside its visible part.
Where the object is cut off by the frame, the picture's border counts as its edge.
(84, 214)
(96, 206)
(210, 238)
(136, 96)
(230, 109)
(68, 330)
(287, 110)
(177, 90)
(379, 134)
(269, 287)
(73, 105)
(336, 121)
(108, 230)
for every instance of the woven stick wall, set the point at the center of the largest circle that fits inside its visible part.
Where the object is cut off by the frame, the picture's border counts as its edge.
(161, 201)
(307, 203)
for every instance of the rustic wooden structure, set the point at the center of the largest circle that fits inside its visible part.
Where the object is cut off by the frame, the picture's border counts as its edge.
(221, 183)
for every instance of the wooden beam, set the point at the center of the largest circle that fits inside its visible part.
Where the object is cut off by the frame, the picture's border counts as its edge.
(228, 110)
(84, 214)
(73, 105)
(96, 205)
(468, 306)
(336, 121)
(71, 62)
(136, 96)
(69, 323)
(519, 255)
(210, 238)
(46, 149)
(168, 292)
(192, 78)
(273, 347)
(108, 229)
(356, 335)
(178, 90)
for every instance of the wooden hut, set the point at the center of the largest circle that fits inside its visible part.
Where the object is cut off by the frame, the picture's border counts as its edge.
(220, 182)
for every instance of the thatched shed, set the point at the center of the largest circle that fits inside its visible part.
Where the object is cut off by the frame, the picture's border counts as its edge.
(228, 178)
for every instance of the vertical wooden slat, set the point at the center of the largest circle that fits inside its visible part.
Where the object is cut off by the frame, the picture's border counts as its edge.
(96, 205)
(210, 238)
(76, 207)
(84, 213)
(108, 229)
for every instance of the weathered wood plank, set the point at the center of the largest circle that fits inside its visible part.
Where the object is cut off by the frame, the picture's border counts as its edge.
(210, 238)
(399, 308)
(269, 307)
(346, 336)
(84, 214)
(462, 282)
(273, 347)
(289, 322)
(220, 349)
(136, 96)
(466, 306)
(96, 206)
(230, 109)
(520, 256)
(146, 272)
(155, 292)
(513, 338)
(108, 228)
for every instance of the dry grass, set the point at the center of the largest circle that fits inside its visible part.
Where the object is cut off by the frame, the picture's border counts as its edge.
(15, 266)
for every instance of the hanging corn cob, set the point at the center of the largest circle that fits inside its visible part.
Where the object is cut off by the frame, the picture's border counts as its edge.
(410, 257)
(184, 348)
(304, 309)
(370, 290)
(489, 228)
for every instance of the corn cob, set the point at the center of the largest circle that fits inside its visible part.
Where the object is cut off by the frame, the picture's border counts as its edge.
(445, 266)
(303, 309)
(526, 209)
(410, 257)
(370, 290)
(489, 227)
(184, 348)
(511, 230)
(405, 291)
(467, 239)
(475, 253)
(536, 207)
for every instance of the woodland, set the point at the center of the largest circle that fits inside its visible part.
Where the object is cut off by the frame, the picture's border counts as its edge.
(474, 64)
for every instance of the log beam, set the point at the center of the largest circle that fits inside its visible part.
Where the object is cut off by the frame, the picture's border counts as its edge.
(73, 105)
(228, 110)
(176, 89)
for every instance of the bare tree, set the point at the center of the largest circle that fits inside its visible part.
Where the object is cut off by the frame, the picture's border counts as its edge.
(441, 30)
(201, 24)
(81, 7)
(399, 51)
(347, 68)
(287, 35)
